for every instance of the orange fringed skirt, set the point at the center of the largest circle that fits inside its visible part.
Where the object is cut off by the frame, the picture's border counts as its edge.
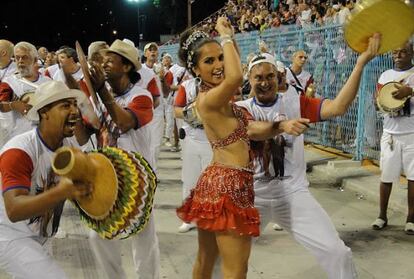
(223, 200)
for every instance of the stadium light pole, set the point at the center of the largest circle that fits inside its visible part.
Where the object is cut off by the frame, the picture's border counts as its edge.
(189, 2)
(139, 29)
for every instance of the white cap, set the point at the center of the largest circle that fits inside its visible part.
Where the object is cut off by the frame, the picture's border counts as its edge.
(280, 67)
(261, 58)
(129, 42)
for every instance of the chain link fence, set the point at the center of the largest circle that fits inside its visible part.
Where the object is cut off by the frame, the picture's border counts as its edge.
(331, 61)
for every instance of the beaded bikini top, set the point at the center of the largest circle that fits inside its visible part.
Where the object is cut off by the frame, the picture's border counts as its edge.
(240, 133)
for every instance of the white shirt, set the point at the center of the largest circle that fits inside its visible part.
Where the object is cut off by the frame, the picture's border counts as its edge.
(178, 73)
(304, 78)
(9, 70)
(288, 103)
(194, 133)
(38, 158)
(401, 124)
(16, 123)
(342, 15)
(60, 76)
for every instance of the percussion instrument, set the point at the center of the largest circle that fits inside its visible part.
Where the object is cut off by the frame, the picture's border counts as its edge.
(394, 19)
(85, 70)
(386, 101)
(191, 115)
(88, 108)
(123, 188)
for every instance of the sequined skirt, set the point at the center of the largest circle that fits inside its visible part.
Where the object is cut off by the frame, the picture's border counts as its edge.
(223, 200)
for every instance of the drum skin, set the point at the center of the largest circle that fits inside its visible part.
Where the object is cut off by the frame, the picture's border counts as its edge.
(393, 19)
(386, 101)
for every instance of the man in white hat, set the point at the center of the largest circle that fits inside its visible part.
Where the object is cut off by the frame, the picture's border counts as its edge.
(280, 183)
(33, 197)
(157, 124)
(127, 110)
(13, 89)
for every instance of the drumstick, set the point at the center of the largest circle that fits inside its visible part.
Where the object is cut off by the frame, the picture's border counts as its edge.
(85, 69)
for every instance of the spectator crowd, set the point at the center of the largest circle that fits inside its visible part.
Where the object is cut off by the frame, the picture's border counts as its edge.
(248, 15)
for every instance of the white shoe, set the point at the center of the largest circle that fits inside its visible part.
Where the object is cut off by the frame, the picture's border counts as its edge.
(409, 228)
(168, 144)
(276, 227)
(185, 227)
(60, 234)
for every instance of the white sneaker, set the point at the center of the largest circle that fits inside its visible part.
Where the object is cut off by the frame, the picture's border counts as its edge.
(60, 234)
(276, 227)
(185, 227)
(168, 144)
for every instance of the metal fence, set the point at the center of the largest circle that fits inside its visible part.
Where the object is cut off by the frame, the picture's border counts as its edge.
(330, 61)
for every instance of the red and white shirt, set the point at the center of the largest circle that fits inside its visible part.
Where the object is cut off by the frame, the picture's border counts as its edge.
(51, 70)
(400, 124)
(12, 122)
(139, 102)
(187, 93)
(291, 105)
(25, 163)
(151, 81)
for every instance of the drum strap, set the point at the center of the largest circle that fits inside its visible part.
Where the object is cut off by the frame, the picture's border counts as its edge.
(298, 85)
(406, 75)
(406, 111)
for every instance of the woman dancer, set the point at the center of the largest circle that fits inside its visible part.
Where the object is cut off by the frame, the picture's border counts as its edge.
(222, 203)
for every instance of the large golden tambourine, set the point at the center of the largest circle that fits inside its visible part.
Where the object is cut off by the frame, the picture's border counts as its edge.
(393, 19)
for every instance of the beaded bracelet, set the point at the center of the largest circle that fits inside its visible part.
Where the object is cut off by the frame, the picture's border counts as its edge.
(226, 39)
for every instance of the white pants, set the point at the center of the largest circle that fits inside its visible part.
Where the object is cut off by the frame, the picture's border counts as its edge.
(145, 253)
(397, 154)
(157, 129)
(26, 258)
(196, 157)
(169, 120)
(302, 216)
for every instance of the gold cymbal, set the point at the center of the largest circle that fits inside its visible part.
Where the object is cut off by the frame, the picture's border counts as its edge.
(394, 19)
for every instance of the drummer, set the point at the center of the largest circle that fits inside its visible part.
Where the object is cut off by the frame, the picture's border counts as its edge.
(127, 109)
(33, 198)
(397, 145)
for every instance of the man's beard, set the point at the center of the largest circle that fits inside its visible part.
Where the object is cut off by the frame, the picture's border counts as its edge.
(25, 71)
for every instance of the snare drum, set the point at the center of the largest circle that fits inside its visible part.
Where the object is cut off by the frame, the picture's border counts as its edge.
(386, 101)
(191, 115)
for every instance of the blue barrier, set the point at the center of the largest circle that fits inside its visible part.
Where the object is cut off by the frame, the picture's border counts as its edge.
(330, 61)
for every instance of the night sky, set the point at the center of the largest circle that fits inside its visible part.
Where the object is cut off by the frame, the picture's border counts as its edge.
(55, 23)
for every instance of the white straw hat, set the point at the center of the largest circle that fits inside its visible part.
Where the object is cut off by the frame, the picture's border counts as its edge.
(50, 92)
(125, 50)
